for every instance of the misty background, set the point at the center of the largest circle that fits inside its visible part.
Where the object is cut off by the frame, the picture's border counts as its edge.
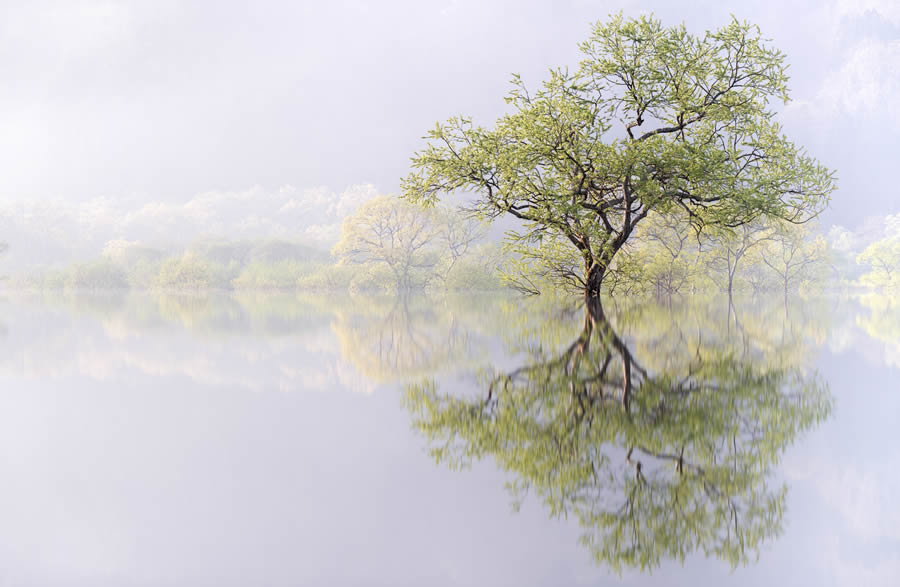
(163, 122)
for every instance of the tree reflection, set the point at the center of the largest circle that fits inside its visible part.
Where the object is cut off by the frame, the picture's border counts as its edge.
(656, 462)
(395, 338)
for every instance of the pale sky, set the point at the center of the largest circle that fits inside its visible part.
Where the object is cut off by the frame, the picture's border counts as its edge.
(159, 101)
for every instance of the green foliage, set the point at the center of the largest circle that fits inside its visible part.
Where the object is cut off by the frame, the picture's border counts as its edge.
(664, 257)
(327, 278)
(99, 275)
(471, 275)
(193, 273)
(653, 119)
(397, 246)
(883, 257)
(389, 236)
(272, 275)
(796, 258)
(657, 455)
(142, 274)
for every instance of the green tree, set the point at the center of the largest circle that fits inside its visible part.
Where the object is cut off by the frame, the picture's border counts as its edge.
(391, 234)
(883, 256)
(727, 248)
(796, 257)
(99, 275)
(457, 235)
(403, 246)
(190, 272)
(663, 259)
(654, 118)
(654, 463)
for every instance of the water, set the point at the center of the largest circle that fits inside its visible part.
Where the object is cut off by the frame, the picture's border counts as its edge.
(285, 440)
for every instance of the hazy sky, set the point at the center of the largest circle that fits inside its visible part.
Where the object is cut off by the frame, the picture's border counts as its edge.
(160, 100)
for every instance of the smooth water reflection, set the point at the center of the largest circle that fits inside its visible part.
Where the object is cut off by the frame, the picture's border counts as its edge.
(214, 439)
(655, 458)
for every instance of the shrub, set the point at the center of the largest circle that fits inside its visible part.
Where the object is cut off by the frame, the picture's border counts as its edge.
(193, 273)
(327, 278)
(98, 275)
(277, 275)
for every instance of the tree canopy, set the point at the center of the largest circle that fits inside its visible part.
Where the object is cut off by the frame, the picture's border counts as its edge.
(653, 119)
(883, 256)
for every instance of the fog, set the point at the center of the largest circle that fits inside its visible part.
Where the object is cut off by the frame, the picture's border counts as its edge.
(228, 355)
(165, 122)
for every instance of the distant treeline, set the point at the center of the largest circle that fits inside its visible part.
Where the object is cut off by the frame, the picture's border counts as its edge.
(256, 265)
(389, 245)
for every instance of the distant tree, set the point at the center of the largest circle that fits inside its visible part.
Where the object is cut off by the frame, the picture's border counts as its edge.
(190, 272)
(390, 233)
(795, 256)
(390, 239)
(663, 257)
(457, 235)
(883, 256)
(99, 275)
(727, 248)
(653, 119)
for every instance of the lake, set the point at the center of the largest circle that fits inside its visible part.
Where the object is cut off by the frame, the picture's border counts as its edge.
(152, 439)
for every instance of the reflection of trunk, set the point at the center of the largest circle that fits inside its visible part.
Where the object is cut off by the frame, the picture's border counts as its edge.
(595, 311)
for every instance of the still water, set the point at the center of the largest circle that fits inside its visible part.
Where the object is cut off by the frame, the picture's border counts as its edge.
(472, 440)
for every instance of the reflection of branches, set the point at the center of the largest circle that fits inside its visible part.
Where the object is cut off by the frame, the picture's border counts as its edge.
(409, 337)
(654, 464)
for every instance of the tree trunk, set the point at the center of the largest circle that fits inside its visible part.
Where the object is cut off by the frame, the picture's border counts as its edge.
(594, 280)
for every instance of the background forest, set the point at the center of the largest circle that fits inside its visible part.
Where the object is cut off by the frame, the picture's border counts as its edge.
(388, 245)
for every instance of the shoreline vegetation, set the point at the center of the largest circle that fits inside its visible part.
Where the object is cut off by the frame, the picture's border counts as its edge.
(389, 246)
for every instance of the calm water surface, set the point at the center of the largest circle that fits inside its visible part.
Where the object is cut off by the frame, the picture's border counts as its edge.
(480, 440)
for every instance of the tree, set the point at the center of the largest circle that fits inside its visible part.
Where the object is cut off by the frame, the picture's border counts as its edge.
(99, 275)
(457, 234)
(653, 119)
(883, 256)
(794, 257)
(414, 246)
(653, 463)
(729, 247)
(663, 258)
(389, 233)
